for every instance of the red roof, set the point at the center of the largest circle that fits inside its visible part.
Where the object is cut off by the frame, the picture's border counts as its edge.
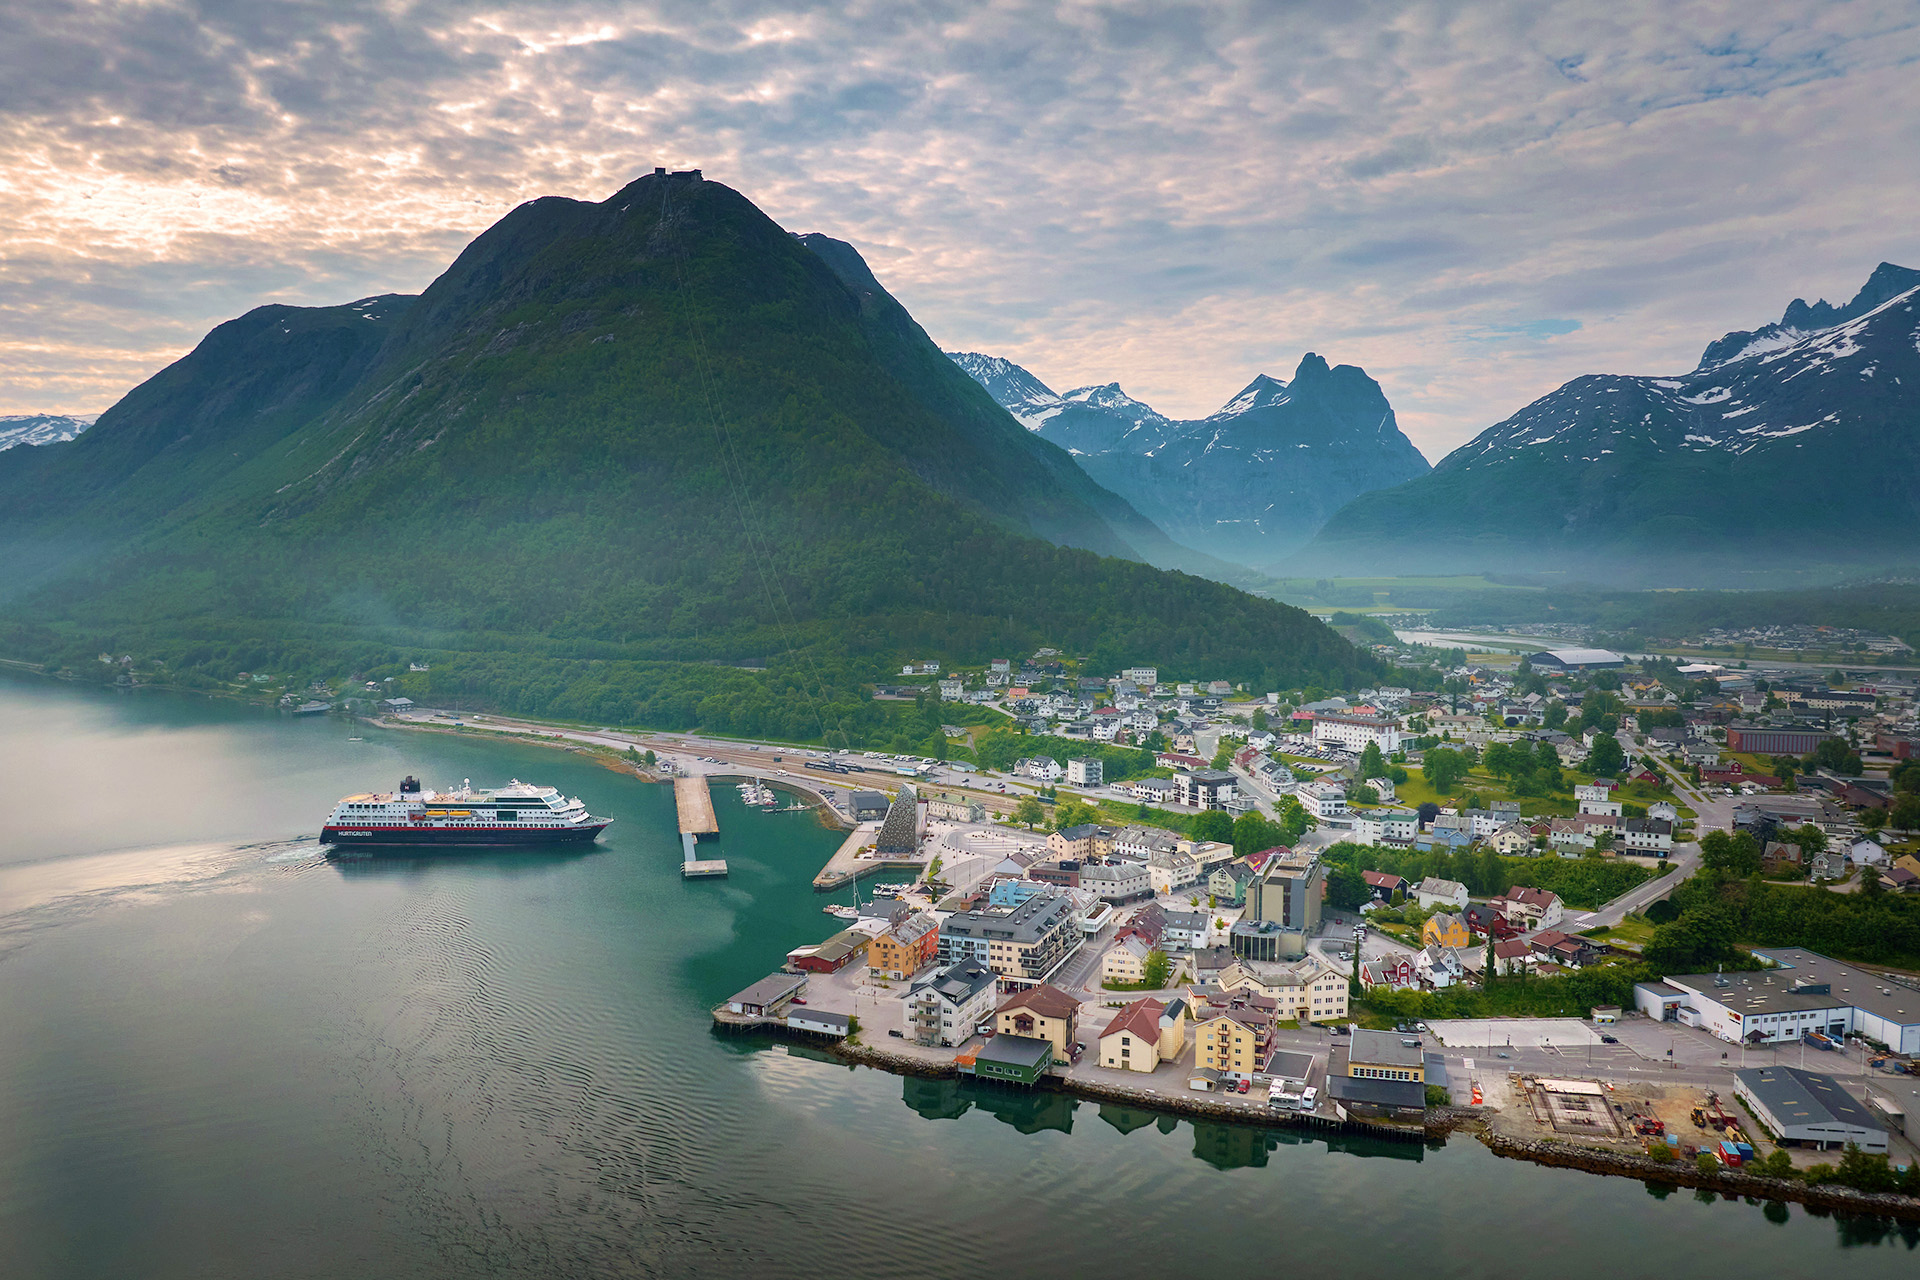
(1046, 1000)
(1384, 879)
(1142, 1018)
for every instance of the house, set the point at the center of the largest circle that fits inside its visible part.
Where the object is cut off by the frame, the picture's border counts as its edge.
(1564, 949)
(1867, 853)
(1148, 923)
(905, 949)
(1512, 840)
(1446, 930)
(1779, 856)
(1384, 1055)
(1435, 892)
(1228, 885)
(947, 1007)
(831, 956)
(1439, 967)
(1043, 1012)
(1186, 929)
(1485, 919)
(1386, 887)
(1394, 827)
(1143, 1035)
(1151, 790)
(1511, 955)
(1647, 835)
(1567, 834)
(1528, 908)
(820, 1022)
(1396, 973)
(1125, 962)
(1039, 768)
(1171, 870)
(1596, 798)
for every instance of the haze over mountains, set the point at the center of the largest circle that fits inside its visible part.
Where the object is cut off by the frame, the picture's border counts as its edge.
(1791, 446)
(1250, 483)
(656, 429)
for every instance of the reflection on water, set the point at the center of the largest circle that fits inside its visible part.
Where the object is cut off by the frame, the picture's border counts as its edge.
(372, 864)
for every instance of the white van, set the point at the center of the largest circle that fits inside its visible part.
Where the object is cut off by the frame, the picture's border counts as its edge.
(1309, 1098)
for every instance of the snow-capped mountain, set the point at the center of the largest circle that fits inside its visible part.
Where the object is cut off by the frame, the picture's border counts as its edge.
(41, 428)
(1248, 483)
(1801, 437)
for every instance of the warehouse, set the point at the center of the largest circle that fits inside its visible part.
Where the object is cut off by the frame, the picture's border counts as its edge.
(1575, 660)
(1807, 1109)
(1804, 991)
(1775, 742)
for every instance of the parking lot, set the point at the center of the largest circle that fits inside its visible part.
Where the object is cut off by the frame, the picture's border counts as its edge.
(1517, 1033)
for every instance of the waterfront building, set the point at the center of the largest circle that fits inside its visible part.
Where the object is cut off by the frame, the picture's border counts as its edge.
(1043, 1012)
(1023, 941)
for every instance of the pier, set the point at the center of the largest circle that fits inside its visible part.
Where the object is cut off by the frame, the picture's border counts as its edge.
(695, 802)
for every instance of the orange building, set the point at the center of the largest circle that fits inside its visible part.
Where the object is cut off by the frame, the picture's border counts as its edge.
(905, 949)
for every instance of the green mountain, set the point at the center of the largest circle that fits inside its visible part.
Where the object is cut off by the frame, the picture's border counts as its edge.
(1794, 448)
(611, 440)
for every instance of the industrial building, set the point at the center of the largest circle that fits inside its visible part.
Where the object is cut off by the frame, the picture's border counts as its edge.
(1807, 1109)
(1575, 660)
(1804, 992)
(1763, 741)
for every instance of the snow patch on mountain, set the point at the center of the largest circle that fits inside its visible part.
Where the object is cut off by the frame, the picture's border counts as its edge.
(41, 428)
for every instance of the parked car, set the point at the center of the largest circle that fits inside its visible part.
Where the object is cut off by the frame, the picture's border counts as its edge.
(1244, 1084)
(896, 1033)
(1607, 1039)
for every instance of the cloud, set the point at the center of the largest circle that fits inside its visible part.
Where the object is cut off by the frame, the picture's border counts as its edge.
(1476, 203)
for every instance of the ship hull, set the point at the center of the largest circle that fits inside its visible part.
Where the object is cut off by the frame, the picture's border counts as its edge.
(427, 838)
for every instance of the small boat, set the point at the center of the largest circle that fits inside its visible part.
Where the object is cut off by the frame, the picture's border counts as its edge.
(841, 912)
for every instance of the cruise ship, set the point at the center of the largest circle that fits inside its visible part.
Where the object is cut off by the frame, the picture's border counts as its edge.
(516, 814)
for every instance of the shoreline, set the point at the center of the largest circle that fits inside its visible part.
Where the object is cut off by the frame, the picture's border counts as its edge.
(1441, 1123)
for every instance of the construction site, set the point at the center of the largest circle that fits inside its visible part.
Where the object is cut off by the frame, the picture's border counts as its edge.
(1629, 1118)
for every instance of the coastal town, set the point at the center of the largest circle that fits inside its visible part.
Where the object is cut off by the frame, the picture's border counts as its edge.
(1225, 931)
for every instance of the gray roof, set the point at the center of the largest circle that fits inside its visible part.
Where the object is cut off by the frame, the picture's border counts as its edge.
(959, 983)
(1797, 1097)
(1772, 991)
(1385, 1048)
(1408, 1094)
(770, 990)
(1015, 1051)
(1290, 1066)
(820, 1017)
(1028, 922)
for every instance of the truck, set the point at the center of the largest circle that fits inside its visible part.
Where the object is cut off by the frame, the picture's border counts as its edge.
(1819, 1041)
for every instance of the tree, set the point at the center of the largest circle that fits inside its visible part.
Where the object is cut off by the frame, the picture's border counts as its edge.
(1556, 714)
(1223, 757)
(1212, 825)
(1029, 813)
(1606, 757)
(1398, 776)
(1428, 812)
(1443, 768)
(1347, 888)
(1873, 819)
(1372, 764)
(1905, 815)
(651, 759)
(1701, 937)
(1252, 832)
(1810, 838)
(1259, 717)
(1157, 969)
(1363, 795)
(1778, 1164)
(1737, 855)
(1547, 765)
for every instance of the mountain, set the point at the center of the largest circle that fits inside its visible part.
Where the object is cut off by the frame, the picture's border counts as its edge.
(616, 453)
(1249, 483)
(41, 428)
(1795, 446)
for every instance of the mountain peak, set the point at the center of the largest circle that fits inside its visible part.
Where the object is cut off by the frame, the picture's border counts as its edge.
(1888, 281)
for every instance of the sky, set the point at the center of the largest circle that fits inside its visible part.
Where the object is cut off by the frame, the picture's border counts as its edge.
(1474, 201)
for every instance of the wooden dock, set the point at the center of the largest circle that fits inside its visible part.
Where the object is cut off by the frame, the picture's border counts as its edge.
(695, 802)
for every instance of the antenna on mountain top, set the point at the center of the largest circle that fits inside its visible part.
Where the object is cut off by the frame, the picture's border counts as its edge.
(734, 469)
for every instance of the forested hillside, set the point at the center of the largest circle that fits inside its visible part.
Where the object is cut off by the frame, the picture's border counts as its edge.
(612, 440)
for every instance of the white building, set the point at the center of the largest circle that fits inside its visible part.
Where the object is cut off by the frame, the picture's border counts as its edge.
(1323, 800)
(1142, 675)
(1435, 892)
(1597, 800)
(1651, 835)
(1806, 992)
(1385, 826)
(1085, 771)
(1354, 732)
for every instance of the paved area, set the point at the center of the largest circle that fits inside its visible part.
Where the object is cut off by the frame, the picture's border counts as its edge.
(1526, 1033)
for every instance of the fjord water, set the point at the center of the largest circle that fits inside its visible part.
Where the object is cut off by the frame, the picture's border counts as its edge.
(223, 1055)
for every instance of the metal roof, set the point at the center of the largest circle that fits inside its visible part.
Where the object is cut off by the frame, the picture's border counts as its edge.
(1015, 1051)
(1795, 1098)
(1385, 1048)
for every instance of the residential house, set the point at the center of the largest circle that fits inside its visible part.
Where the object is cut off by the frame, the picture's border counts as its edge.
(1647, 835)
(1511, 955)
(1868, 853)
(1384, 886)
(1227, 885)
(1148, 923)
(946, 1007)
(1086, 840)
(1445, 929)
(1484, 919)
(1139, 844)
(1042, 1012)
(1143, 1035)
(1512, 840)
(1204, 788)
(1779, 856)
(1186, 929)
(1597, 799)
(905, 949)
(1434, 892)
(1323, 800)
(1569, 834)
(1528, 908)
(1564, 949)
(1439, 967)
(1040, 769)
(1125, 961)
(1396, 973)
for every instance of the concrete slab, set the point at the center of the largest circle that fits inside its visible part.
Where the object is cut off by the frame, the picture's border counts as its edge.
(1521, 1033)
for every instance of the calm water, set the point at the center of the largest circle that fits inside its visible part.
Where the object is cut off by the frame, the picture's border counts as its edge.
(222, 1055)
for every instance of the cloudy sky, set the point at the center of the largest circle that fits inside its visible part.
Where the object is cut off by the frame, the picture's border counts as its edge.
(1475, 201)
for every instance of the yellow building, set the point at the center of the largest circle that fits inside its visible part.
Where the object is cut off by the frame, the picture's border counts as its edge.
(1305, 991)
(1385, 1055)
(1125, 961)
(1447, 930)
(1143, 1035)
(1230, 1042)
(1041, 1013)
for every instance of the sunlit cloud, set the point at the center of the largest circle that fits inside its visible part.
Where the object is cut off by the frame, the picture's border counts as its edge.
(1475, 202)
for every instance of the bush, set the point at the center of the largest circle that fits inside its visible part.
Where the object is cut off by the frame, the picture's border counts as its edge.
(1438, 1097)
(1706, 1163)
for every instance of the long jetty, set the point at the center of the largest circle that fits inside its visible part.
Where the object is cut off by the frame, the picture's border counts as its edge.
(694, 800)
